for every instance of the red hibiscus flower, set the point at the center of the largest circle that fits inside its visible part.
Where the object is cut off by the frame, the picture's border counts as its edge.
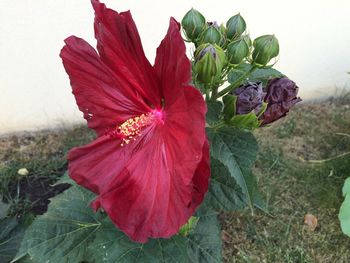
(149, 164)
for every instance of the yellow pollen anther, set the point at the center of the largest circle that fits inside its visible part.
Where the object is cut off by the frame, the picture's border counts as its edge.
(133, 127)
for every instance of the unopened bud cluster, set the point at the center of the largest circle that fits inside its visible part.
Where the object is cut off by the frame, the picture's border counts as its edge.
(227, 45)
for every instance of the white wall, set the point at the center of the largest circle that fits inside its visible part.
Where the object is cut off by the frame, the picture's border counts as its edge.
(34, 89)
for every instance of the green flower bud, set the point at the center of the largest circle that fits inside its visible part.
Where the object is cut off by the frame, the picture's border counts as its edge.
(212, 35)
(237, 51)
(210, 60)
(248, 40)
(222, 29)
(235, 26)
(265, 48)
(193, 23)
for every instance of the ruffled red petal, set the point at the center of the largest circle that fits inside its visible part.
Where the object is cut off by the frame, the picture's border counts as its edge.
(119, 46)
(172, 66)
(103, 99)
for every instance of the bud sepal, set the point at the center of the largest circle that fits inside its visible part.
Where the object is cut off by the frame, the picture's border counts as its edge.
(187, 228)
(244, 106)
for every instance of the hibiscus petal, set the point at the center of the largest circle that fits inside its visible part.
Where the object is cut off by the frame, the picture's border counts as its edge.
(98, 93)
(96, 165)
(153, 202)
(119, 46)
(185, 124)
(172, 65)
(201, 178)
(150, 187)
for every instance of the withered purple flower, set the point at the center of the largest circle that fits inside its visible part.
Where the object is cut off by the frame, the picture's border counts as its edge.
(249, 97)
(281, 95)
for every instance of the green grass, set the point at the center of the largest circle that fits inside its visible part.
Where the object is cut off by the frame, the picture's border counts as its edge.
(291, 181)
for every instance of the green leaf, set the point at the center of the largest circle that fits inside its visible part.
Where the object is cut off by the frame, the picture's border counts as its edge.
(26, 259)
(344, 211)
(258, 74)
(237, 151)
(264, 75)
(255, 194)
(11, 235)
(224, 193)
(71, 232)
(112, 245)
(3, 208)
(64, 232)
(344, 216)
(229, 106)
(65, 179)
(346, 187)
(202, 245)
(214, 111)
(238, 72)
(245, 121)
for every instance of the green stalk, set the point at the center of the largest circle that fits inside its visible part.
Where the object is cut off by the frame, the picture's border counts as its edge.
(236, 83)
(218, 125)
(207, 94)
(214, 94)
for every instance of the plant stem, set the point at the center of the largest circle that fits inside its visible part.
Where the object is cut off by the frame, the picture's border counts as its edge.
(236, 83)
(214, 93)
(207, 95)
(218, 125)
(329, 159)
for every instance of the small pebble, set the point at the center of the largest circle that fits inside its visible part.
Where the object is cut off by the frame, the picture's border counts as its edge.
(311, 221)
